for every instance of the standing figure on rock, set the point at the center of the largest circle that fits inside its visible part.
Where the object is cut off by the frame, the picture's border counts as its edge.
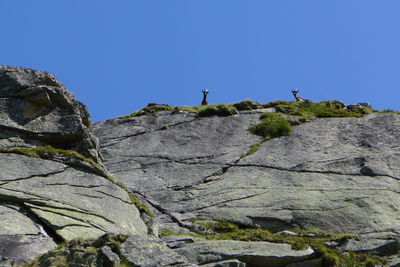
(295, 91)
(205, 93)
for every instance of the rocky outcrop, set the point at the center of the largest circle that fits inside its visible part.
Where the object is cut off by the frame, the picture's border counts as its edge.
(53, 186)
(205, 178)
(35, 108)
(337, 174)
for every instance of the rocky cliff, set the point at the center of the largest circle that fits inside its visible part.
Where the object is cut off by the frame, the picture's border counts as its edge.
(214, 193)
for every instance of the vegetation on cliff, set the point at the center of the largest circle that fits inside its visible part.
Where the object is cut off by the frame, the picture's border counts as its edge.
(308, 110)
(271, 125)
(298, 239)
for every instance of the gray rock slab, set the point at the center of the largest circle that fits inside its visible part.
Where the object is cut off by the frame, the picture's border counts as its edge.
(252, 253)
(394, 261)
(179, 241)
(114, 131)
(355, 146)
(109, 257)
(186, 153)
(11, 213)
(147, 251)
(382, 247)
(71, 202)
(19, 249)
(338, 174)
(279, 200)
(21, 237)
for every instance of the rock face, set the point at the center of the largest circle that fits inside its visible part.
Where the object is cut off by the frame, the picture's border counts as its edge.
(46, 197)
(337, 174)
(59, 173)
(35, 108)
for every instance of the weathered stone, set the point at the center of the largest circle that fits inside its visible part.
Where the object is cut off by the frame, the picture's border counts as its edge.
(37, 106)
(382, 247)
(73, 203)
(252, 253)
(22, 248)
(173, 241)
(338, 174)
(149, 251)
(394, 261)
(153, 226)
(21, 237)
(54, 197)
(110, 259)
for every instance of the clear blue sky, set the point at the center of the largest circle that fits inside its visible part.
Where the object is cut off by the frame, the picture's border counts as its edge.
(117, 56)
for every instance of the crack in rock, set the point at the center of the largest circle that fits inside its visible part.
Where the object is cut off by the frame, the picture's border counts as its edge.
(312, 171)
(7, 181)
(226, 201)
(43, 202)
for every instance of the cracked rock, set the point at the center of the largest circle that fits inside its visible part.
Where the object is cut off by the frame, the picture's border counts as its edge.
(315, 177)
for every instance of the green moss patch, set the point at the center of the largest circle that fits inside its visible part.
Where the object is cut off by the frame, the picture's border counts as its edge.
(271, 125)
(324, 109)
(387, 111)
(247, 104)
(217, 110)
(253, 149)
(81, 252)
(315, 238)
(143, 208)
(149, 109)
(47, 151)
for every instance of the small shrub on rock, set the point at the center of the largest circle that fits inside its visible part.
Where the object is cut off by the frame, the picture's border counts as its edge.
(271, 125)
(149, 109)
(324, 109)
(217, 110)
(247, 105)
(360, 108)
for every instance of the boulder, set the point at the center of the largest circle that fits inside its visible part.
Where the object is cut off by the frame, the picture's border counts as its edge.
(36, 108)
(53, 186)
(110, 259)
(382, 247)
(144, 251)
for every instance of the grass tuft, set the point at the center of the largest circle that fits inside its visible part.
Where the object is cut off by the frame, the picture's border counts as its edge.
(324, 109)
(143, 208)
(271, 125)
(217, 110)
(247, 104)
(45, 151)
(149, 109)
(81, 252)
(253, 149)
